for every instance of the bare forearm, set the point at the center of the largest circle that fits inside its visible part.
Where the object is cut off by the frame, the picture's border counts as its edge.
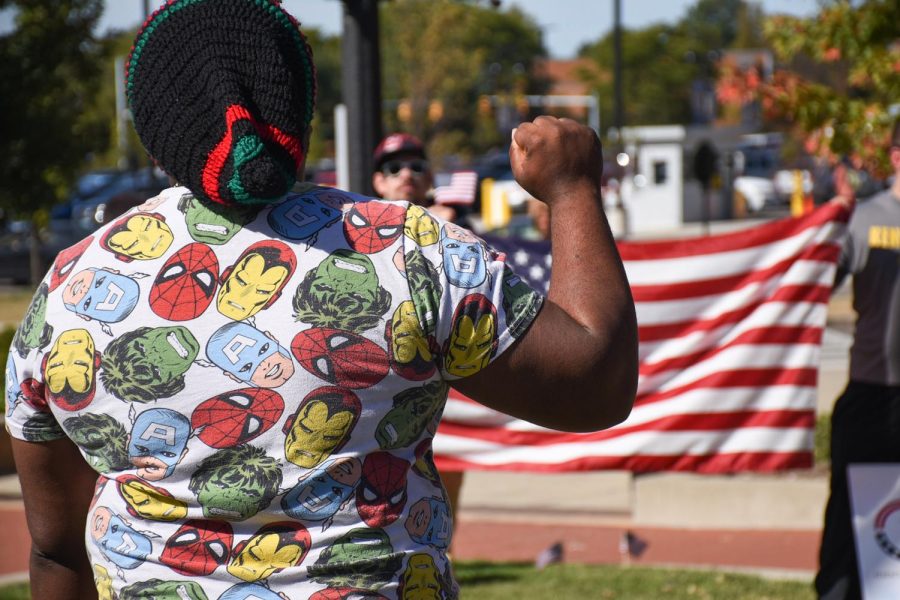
(576, 367)
(589, 285)
(587, 281)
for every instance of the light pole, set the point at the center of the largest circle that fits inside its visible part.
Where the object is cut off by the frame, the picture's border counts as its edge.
(618, 114)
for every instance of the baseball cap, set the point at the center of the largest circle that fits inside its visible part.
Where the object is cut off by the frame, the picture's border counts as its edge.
(398, 143)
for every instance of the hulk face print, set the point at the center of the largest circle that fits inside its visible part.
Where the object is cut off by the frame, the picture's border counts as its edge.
(214, 223)
(34, 332)
(520, 302)
(236, 483)
(343, 292)
(148, 363)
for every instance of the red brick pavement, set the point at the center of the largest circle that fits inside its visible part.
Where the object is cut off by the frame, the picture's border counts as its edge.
(600, 544)
(15, 543)
(479, 538)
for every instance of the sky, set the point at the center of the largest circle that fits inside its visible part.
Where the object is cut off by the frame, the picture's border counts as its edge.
(567, 24)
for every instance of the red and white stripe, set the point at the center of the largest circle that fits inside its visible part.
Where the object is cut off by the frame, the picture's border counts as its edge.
(730, 330)
(460, 190)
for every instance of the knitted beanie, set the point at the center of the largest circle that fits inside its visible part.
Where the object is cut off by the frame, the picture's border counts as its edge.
(222, 93)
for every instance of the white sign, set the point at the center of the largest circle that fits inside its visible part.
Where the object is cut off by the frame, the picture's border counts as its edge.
(875, 499)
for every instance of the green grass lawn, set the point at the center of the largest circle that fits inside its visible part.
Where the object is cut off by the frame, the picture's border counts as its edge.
(502, 581)
(16, 591)
(13, 302)
(496, 581)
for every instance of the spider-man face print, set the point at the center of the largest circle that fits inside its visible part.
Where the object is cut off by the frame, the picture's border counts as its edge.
(199, 547)
(186, 283)
(65, 262)
(381, 494)
(373, 226)
(301, 217)
(236, 417)
(340, 357)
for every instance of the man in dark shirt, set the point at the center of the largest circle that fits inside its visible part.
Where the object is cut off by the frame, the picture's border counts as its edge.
(865, 423)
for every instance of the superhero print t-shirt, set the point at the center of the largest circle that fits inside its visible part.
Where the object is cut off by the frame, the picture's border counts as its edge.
(258, 389)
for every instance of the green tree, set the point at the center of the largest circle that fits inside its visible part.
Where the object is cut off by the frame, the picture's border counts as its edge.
(437, 58)
(661, 62)
(657, 75)
(838, 81)
(327, 53)
(52, 66)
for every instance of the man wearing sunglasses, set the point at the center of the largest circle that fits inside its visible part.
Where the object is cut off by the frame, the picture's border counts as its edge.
(402, 172)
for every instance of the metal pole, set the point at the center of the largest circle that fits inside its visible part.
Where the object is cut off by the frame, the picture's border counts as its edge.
(146, 9)
(121, 113)
(618, 114)
(361, 82)
(340, 147)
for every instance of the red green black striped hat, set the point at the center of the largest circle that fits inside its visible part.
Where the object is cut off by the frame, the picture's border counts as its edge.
(222, 93)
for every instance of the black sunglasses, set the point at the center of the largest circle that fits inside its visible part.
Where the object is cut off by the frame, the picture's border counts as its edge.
(393, 167)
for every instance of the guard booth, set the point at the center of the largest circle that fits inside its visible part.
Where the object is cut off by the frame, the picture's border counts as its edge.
(653, 186)
(661, 190)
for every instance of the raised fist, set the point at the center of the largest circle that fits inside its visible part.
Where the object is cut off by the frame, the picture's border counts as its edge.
(551, 158)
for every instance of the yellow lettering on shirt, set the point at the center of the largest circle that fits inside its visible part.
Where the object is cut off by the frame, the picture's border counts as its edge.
(881, 236)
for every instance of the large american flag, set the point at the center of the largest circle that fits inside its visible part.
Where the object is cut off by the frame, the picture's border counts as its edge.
(730, 330)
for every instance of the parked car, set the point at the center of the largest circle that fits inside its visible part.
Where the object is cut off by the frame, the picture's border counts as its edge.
(15, 248)
(758, 192)
(95, 189)
(96, 196)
